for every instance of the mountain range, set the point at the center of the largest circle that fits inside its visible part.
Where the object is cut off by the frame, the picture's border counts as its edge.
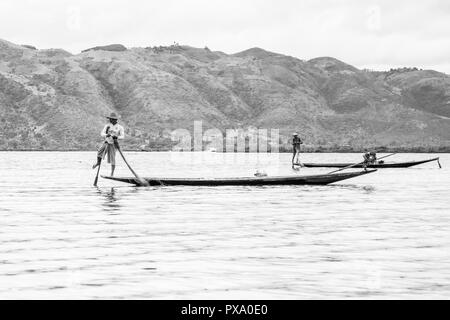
(54, 100)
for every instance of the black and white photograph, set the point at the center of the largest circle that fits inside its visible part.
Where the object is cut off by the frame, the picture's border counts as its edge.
(245, 150)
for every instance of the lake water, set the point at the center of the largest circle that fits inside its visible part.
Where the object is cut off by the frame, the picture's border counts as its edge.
(383, 235)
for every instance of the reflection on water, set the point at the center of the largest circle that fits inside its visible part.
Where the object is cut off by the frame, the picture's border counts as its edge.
(366, 188)
(382, 235)
(111, 200)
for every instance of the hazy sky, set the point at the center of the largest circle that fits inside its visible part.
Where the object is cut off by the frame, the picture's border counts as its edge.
(374, 34)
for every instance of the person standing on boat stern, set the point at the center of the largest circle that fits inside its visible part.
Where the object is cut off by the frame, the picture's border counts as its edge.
(296, 143)
(112, 132)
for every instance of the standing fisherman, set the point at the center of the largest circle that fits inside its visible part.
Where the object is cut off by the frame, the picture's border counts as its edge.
(296, 142)
(111, 132)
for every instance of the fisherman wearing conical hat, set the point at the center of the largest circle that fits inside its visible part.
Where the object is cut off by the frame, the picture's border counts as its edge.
(111, 132)
(296, 142)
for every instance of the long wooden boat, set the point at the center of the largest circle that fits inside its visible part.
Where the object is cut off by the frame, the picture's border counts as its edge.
(375, 165)
(320, 179)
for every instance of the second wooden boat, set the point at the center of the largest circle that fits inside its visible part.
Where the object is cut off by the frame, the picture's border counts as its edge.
(375, 165)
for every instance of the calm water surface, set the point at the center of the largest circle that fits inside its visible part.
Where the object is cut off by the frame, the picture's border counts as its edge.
(384, 235)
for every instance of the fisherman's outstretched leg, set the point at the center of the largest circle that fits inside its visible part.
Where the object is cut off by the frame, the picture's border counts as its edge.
(100, 153)
(113, 168)
(99, 161)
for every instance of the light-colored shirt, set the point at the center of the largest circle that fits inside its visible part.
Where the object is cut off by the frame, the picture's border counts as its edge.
(114, 130)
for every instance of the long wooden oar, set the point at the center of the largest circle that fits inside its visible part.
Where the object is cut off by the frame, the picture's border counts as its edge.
(96, 177)
(98, 170)
(356, 164)
(142, 182)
